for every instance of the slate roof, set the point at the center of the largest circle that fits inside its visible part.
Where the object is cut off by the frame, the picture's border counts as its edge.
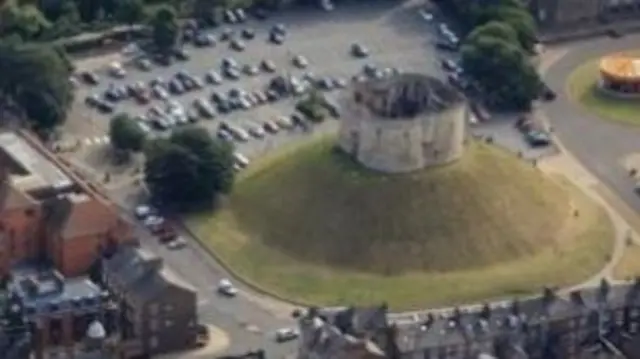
(142, 274)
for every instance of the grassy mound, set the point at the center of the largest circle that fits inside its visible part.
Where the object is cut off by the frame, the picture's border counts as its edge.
(582, 89)
(316, 227)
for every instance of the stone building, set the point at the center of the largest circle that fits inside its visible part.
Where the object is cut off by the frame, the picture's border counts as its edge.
(575, 13)
(48, 213)
(158, 309)
(598, 323)
(403, 123)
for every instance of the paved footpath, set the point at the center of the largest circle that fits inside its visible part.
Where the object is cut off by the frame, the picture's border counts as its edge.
(218, 342)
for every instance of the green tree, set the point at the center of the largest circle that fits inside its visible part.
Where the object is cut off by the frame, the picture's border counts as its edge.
(189, 168)
(313, 106)
(130, 11)
(125, 134)
(26, 21)
(522, 23)
(496, 29)
(37, 87)
(504, 72)
(165, 29)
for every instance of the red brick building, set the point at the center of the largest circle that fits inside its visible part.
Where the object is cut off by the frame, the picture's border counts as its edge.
(48, 213)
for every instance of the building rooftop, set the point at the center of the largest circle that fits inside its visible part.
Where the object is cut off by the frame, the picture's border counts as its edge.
(621, 66)
(46, 290)
(141, 274)
(29, 169)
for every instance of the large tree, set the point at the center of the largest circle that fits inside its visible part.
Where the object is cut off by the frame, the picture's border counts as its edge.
(130, 11)
(125, 134)
(34, 84)
(25, 21)
(503, 70)
(494, 29)
(188, 169)
(165, 29)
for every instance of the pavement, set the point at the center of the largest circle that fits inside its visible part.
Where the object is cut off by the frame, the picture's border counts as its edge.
(218, 343)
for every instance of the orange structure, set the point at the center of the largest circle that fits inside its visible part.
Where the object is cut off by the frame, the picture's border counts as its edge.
(620, 73)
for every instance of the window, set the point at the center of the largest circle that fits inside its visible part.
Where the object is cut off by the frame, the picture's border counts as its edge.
(153, 325)
(153, 342)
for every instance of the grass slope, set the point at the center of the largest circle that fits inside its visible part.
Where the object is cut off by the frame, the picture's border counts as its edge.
(314, 227)
(581, 87)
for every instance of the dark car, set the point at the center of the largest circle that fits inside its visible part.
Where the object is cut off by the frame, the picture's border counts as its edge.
(248, 33)
(176, 87)
(204, 40)
(548, 94)
(231, 73)
(446, 46)
(226, 34)
(260, 14)
(224, 106)
(359, 51)
(268, 66)
(276, 38)
(182, 55)
(217, 97)
(90, 78)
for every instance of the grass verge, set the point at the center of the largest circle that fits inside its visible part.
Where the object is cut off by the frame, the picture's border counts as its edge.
(581, 88)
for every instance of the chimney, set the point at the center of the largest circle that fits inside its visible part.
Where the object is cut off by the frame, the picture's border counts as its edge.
(576, 297)
(548, 295)
(604, 289)
(485, 312)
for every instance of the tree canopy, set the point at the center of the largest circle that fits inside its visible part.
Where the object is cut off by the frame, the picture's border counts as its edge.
(35, 83)
(125, 134)
(25, 21)
(130, 11)
(508, 79)
(165, 29)
(495, 29)
(189, 169)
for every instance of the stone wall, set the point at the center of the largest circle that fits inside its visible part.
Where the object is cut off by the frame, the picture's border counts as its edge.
(403, 145)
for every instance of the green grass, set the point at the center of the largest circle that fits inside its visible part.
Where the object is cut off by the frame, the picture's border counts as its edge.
(311, 226)
(582, 89)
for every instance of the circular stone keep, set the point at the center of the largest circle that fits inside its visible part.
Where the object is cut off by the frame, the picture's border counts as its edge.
(403, 123)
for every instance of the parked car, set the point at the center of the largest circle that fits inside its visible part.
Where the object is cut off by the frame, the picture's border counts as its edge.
(225, 287)
(276, 38)
(90, 78)
(300, 62)
(537, 138)
(286, 334)
(144, 64)
(251, 70)
(204, 40)
(359, 51)
(177, 243)
(237, 45)
(213, 78)
(248, 33)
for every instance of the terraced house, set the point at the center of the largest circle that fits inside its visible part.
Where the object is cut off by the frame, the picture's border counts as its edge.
(48, 214)
(574, 13)
(597, 323)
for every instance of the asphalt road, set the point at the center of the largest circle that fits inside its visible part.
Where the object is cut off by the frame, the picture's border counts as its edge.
(600, 145)
(396, 36)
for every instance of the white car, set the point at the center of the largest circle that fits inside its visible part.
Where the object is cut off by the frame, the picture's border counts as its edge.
(153, 221)
(143, 211)
(256, 131)
(177, 243)
(286, 334)
(284, 122)
(116, 70)
(225, 287)
(241, 160)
